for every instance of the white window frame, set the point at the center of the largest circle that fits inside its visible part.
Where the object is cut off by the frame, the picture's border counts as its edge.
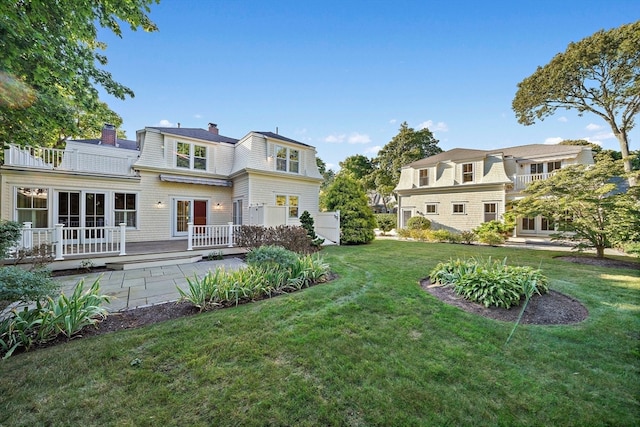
(33, 210)
(529, 221)
(431, 205)
(293, 210)
(194, 161)
(464, 208)
(484, 211)
(467, 176)
(423, 177)
(126, 211)
(287, 159)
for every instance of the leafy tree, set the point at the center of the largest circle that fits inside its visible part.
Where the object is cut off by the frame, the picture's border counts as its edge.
(356, 218)
(386, 222)
(407, 146)
(600, 74)
(587, 205)
(361, 168)
(52, 63)
(327, 174)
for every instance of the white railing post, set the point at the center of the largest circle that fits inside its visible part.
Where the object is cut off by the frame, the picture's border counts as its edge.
(190, 238)
(230, 233)
(27, 235)
(123, 238)
(57, 241)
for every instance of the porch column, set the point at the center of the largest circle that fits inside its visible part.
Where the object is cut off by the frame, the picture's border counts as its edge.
(190, 238)
(57, 241)
(27, 235)
(230, 224)
(123, 239)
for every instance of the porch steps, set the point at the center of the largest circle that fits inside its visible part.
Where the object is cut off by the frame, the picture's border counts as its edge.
(147, 263)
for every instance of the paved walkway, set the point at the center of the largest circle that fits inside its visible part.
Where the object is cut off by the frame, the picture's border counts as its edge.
(145, 286)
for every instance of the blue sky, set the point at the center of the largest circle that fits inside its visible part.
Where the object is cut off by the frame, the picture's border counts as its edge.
(343, 75)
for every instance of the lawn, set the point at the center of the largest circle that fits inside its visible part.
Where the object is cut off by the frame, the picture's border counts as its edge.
(369, 348)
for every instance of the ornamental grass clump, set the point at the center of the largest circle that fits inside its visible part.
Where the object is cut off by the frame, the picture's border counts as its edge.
(272, 270)
(490, 282)
(52, 317)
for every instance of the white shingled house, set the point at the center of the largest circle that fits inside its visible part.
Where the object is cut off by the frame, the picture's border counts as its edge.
(171, 183)
(461, 188)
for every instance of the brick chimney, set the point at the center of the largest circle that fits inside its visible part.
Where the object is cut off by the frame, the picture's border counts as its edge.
(213, 128)
(108, 135)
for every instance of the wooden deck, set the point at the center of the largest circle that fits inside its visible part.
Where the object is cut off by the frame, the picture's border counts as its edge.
(141, 251)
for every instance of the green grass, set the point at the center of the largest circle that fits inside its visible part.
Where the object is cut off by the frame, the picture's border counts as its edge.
(370, 348)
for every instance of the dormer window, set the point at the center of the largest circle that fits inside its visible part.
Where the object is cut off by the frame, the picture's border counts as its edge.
(467, 172)
(191, 156)
(424, 177)
(287, 159)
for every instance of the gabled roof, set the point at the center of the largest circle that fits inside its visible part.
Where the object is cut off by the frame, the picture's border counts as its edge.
(196, 133)
(281, 138)
(531, 152)
(454, 155)
(120, 143)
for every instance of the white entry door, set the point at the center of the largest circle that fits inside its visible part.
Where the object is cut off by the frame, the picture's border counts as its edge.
(186, 211)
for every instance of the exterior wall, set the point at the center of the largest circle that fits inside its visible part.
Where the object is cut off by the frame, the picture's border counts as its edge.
(158, 153)
(264, 188)
(473, 200)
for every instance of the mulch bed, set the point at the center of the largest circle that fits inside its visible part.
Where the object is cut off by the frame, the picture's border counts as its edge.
(552, 308)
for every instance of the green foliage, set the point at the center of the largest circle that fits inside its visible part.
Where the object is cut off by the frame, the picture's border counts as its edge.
(493, 232)
(467, 237)
(62, 315)
(269, 256)
(17, 284)
(53, 64)
(446, 236)
(10, 233)
(488, 282)
(386, 222)
(418, 223)
(263, 277)
(356, 218)
(598, 74)
(306, 221)
(406, 147)
(586, 205)
(293, 238)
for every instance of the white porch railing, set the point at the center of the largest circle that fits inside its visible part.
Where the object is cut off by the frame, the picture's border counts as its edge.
(64, 241)
(67, 160)
(202, 236)
(521, 181)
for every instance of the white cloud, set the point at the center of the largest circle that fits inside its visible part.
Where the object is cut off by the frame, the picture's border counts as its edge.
(165, 123)
(563, 119)
(198, 116)
(437, 127)
(553, 140)
(359, 138)
(335, 139)
(393, 121)
(593, 127)
(352, 138)
(373, 150)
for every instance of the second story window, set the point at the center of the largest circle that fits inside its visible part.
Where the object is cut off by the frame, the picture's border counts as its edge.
(287, 159)
(537, 168)
(467, 172)
(191, 156)
(424, 177)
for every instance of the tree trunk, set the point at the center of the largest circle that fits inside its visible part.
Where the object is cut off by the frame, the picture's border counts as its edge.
(599, 251)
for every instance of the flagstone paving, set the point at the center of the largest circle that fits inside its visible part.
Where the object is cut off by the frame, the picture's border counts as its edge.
(145, 286)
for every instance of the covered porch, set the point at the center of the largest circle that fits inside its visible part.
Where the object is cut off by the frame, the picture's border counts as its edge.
(83, 247)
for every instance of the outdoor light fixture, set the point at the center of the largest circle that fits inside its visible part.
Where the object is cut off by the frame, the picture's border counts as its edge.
(159, 204)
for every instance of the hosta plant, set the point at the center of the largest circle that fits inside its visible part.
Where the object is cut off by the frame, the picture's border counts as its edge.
(490, 282)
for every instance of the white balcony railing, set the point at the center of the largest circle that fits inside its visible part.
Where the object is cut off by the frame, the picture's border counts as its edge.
(67, 160)
(61, 241)
(202, 236)
(520, 182)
